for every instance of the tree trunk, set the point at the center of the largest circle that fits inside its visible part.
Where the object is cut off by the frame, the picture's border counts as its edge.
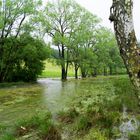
(83, 74)
(110, 70)
(76, 73)
(121, 15)
(105, 71)
(76, 70)
(94, 73)
(63, 74)
(63, 70)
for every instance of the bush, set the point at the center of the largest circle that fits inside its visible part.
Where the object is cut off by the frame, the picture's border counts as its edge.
(22, 59)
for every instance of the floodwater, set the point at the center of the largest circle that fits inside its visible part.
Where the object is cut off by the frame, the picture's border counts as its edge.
(18, 102)
(58, 94)
(23, 101)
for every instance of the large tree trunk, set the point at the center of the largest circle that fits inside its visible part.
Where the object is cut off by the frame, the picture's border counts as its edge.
(121, 15)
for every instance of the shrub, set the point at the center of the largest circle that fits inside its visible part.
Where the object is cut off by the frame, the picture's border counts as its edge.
(22, 59)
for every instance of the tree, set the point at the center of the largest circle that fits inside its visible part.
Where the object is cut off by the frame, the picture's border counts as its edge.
(121, 16)
(106, 51)
(82, 41)
(15, 16)
(62, 20)
(58, 24)
(26, 58)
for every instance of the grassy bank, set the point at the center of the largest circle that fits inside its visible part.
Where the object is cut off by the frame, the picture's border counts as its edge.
(19, 100)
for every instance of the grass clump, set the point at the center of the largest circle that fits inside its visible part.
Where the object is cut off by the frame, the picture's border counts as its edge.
(83, 123)
(39, 126)
(135, 135)
(67, 116)
(95, 134)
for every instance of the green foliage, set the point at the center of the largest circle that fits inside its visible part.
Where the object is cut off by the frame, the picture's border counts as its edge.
(13, 14)
(22, 58)
(68, 25)
(7, 137)
(21, 54)
(134, 136)
(95, 52)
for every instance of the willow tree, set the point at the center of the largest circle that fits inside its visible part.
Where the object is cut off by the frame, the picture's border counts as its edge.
(122, 17)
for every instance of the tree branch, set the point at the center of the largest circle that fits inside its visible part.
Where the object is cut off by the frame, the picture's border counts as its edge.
(19, 28)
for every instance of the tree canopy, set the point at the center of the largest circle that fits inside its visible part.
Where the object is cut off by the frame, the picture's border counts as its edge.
(21, 55)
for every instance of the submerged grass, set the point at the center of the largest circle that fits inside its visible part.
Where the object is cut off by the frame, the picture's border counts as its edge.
(96, 113)
(23, 115)
(19, 101)
(39, 126)
(92, 110)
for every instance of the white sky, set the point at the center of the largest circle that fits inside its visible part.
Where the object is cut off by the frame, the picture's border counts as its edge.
(101, 9)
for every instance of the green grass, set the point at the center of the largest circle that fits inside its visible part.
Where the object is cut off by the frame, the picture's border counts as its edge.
(92, 107)
(20, 101)
(54, 71)
(39, 126)
(95, 113)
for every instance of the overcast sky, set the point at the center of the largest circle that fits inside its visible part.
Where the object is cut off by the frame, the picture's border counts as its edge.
(101, 9)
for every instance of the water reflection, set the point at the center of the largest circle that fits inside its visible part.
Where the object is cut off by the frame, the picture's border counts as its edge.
(56, 92)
